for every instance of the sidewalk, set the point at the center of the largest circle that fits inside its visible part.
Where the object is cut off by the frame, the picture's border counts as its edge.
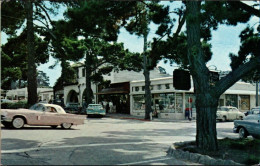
(131, 117)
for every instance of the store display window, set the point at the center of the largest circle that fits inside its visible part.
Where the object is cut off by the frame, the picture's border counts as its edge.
(231, 100)
(138, 102)
(244, 102)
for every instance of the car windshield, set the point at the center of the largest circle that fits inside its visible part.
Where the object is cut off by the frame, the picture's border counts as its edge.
(37, 107)
(256, 111)
(223, 109)
(95, 106)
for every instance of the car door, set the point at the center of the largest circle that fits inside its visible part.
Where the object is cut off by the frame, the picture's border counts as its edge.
(50, 117)
(35, 116)
(235, 113)
(230, 114)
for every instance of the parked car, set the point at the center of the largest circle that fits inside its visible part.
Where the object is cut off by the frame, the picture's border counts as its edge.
(249, 126)
(225, 113)
(95, 109)
(73, 108)
(255, 110)
(40, 114)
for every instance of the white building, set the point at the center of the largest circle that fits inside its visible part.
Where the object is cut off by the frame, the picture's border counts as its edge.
(171, 103)
(22, 94)
(127, 94)
(75, 93)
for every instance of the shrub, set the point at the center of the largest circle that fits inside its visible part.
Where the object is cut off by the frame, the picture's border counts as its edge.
(19, 104)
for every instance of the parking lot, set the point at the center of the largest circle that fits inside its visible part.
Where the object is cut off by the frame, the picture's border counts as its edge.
(101, 141)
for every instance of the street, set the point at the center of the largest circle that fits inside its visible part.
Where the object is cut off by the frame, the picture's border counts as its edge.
(101, 141)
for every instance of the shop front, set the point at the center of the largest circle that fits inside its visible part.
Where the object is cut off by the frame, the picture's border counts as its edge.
(174, 104)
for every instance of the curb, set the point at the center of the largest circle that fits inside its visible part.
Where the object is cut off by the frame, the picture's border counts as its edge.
(197, 158)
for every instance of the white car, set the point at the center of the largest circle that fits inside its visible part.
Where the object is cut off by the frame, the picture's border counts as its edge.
(226, 113)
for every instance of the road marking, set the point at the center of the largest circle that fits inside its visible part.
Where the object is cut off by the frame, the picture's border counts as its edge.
(147, 161)
(78, 146)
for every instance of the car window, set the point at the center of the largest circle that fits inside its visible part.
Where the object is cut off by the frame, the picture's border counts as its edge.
(255, 111)
(37, 107)
(51, 110)
(223, 109)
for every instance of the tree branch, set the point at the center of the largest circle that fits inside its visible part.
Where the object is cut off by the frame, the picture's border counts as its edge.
(248, 8)
(181, 23)
(226, 82)
(44, 10)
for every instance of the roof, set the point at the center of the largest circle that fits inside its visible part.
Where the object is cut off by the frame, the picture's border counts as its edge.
(58, 108)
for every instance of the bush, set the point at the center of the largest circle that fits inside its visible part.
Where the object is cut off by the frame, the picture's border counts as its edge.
(19, 104)
(252, 159)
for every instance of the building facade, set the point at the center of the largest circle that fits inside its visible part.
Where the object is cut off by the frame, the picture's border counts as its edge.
(127, 94)
(44, 94)
(171, 103)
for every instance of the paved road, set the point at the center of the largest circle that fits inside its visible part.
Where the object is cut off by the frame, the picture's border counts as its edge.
(105, 141)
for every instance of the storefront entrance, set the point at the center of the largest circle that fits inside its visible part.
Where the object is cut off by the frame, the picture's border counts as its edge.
(115, 98)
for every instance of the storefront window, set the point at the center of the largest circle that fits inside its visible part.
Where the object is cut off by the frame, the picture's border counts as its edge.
(164, 103)
(179, 101)
(143, 88)
(231, 100)
(139, 103)
(244, 102)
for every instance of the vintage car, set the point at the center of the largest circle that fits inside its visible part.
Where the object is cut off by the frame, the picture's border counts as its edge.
(226, 113)
(73, 108)
(255, 110)
(249, 126)
(95, 109)
(40, 114)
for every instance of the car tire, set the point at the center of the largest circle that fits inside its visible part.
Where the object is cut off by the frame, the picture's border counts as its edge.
(242, 133)
(7, 124)
(66, 125)
(224, 119)
(18, 123)
(54, 126)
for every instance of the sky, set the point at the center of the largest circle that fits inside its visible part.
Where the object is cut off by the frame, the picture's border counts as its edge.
(225, 40)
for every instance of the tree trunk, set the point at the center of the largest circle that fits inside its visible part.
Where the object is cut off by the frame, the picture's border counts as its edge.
(206, 100)
(88, 96)
(31, 73)
(206, 108)
(148, 106)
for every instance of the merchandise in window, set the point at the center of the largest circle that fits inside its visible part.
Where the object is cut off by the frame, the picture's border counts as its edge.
(231, 100)
(138, 102)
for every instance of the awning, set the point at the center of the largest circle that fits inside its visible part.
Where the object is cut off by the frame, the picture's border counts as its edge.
(108, 91)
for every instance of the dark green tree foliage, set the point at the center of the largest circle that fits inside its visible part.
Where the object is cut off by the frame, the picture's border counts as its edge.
(12, 21)
(207, 96)
(97, 22)
(192, 50)
(14, 58)
(15, 14)
(42, 79)
(249, 48)
(142, 14)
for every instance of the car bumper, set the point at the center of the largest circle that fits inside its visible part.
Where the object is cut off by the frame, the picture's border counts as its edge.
(96, 113)
(235, 130)
(6, 119)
